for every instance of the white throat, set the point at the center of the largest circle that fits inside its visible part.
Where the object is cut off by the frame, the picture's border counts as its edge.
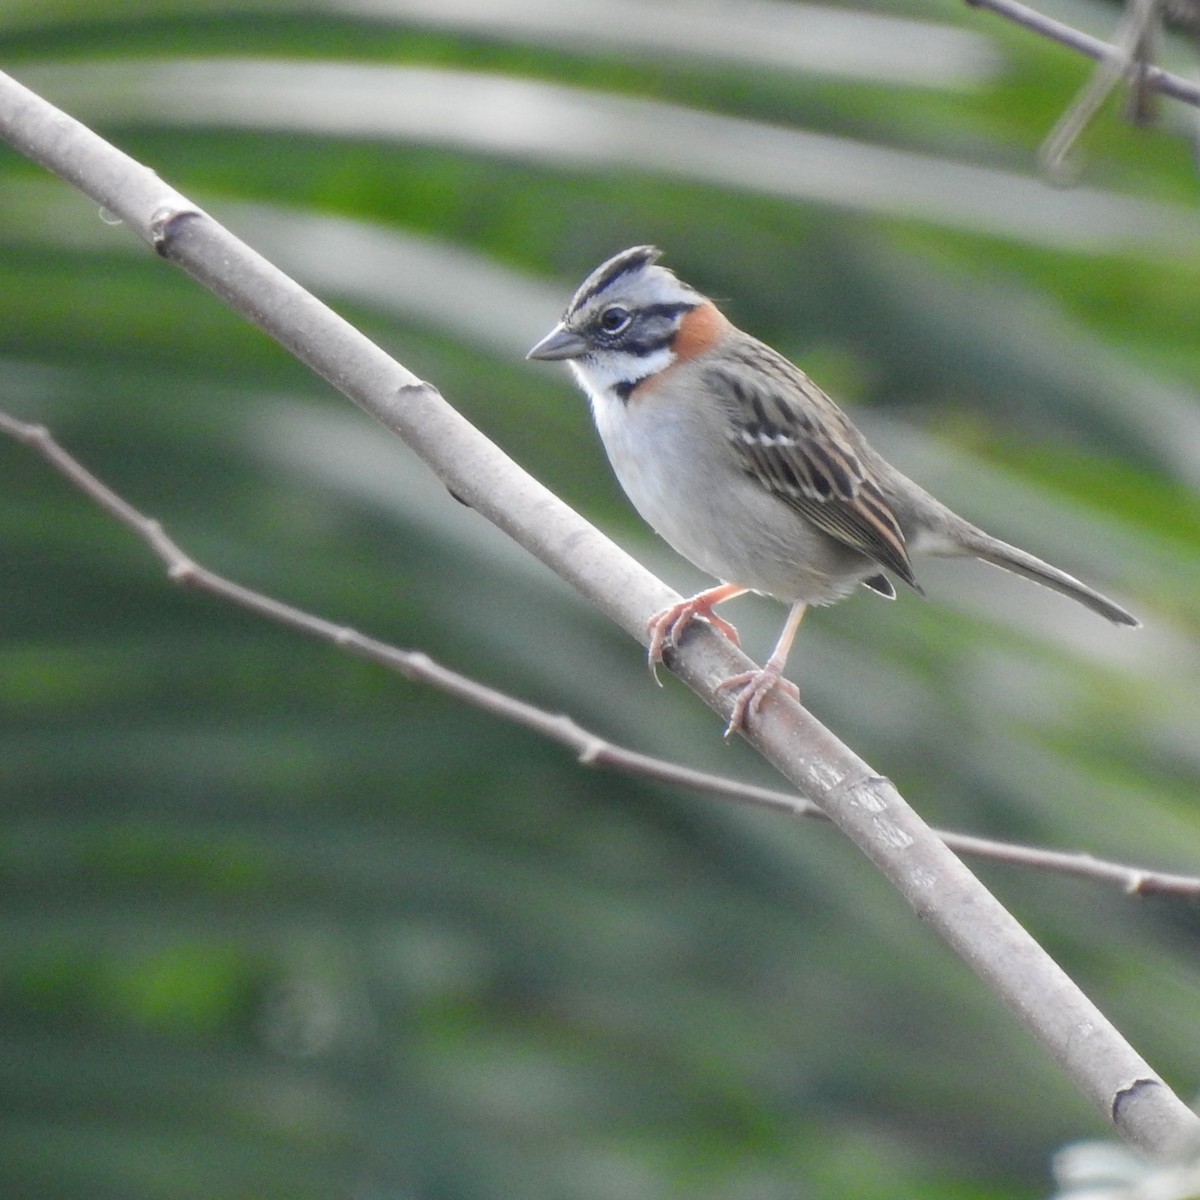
(601, 375)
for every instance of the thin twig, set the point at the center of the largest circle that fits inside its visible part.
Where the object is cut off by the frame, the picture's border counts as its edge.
(1154, 78)
(590, 748)
(1128, 60)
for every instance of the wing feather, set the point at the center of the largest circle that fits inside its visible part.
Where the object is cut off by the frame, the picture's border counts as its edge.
(811, 457)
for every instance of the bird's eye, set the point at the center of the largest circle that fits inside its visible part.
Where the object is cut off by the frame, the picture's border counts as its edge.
(613, 320)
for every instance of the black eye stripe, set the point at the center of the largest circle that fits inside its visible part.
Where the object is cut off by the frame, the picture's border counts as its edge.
(664, 310)
(647, 312)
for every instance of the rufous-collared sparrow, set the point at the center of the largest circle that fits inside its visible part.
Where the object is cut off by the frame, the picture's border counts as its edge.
(747, 468)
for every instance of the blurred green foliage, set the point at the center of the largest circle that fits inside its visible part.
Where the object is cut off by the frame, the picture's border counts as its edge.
(275, 924)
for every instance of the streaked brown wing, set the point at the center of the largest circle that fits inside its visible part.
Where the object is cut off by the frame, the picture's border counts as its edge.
(807, 458)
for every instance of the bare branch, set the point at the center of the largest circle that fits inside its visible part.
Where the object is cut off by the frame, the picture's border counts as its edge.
(590, 748)
(1153, 78)
(865, 806)
(1129, 57)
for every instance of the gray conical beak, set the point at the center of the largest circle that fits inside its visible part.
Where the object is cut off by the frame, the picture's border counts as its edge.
(560, 343)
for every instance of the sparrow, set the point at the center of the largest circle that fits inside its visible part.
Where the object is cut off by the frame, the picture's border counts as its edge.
(748, 469)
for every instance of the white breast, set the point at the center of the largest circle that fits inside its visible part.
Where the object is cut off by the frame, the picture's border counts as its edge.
(675, 467)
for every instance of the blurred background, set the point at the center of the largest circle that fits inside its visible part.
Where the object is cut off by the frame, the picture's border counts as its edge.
(276, 924)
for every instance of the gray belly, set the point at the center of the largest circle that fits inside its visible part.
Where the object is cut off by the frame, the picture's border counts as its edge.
(694, 495)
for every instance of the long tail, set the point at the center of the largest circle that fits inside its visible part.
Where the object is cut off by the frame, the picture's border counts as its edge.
(1001, 554)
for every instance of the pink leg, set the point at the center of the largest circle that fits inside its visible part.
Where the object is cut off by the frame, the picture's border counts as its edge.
(757, 684)
(668, 626)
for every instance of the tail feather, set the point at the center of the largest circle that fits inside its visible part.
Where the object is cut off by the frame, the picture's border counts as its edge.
(1001, 554)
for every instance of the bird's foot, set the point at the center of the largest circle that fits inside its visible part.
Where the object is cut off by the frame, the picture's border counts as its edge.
(755, 686)
(667, 627)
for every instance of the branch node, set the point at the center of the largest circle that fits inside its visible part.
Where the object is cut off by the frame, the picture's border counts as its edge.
(165, 224)
(864, 791)
(1146, 1112)
(1129, 1092)
(35, 435)
(593, 750)
(1137, 882)
(183, 570)
(420, 389)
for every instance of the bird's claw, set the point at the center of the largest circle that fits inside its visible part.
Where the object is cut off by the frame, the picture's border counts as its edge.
(755, 686)
(667, 627)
